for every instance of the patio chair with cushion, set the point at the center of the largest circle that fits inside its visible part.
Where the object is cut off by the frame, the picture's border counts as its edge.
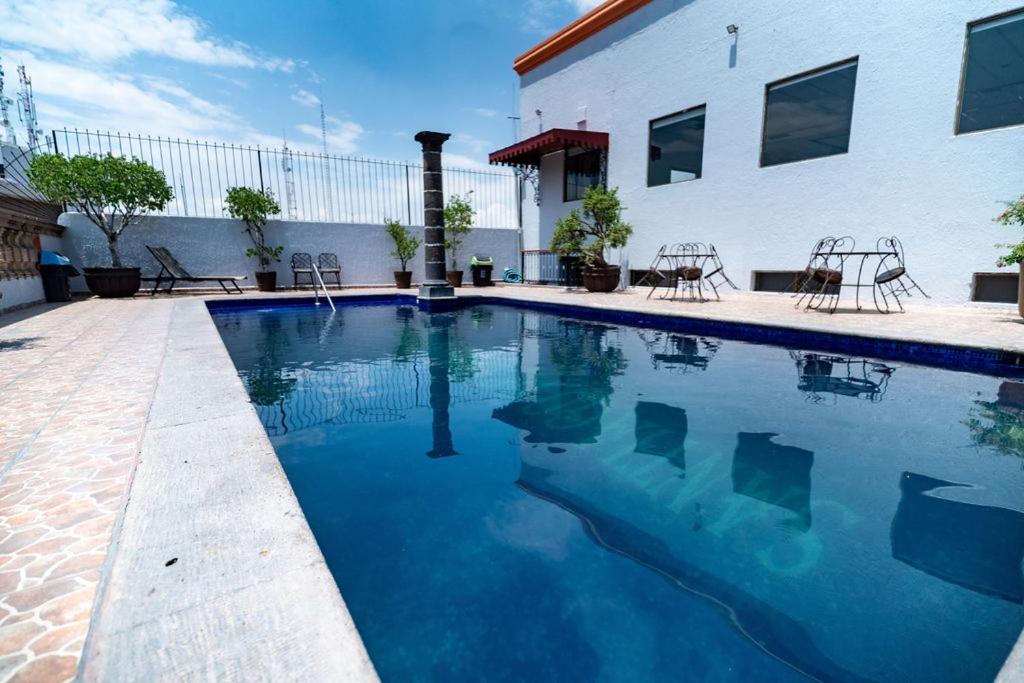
(891, 277)
(172, 272)
(302, 267)
(823, 276)
(329, 268)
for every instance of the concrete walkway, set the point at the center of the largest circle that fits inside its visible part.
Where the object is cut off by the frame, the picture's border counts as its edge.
(147, 530)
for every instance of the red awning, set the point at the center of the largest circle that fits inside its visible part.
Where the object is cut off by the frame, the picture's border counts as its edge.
(529, 151)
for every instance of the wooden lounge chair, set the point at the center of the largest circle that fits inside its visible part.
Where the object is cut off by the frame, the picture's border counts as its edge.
(171, 272)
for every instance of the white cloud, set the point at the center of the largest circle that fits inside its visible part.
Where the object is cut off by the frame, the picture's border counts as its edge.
(305, 98)
(342, 136)
(108, 30)
(471, 142)
(485, 112)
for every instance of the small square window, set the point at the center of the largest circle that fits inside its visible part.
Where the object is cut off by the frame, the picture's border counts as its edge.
(676, 150)
(809, 116)
(992, 91)
(582, 171)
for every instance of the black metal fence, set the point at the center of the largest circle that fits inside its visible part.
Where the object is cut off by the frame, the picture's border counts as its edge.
(308, 186)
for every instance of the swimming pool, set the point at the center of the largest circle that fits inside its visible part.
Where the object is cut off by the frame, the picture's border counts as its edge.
(505, 493)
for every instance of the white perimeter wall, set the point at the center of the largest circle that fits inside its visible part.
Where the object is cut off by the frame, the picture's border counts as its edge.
(906, 173)
(216, 246)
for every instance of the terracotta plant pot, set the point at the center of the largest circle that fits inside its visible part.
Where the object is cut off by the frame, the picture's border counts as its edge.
(266, 282)
(113, 283)
(454, 278)
(601, 279)
(403, 279)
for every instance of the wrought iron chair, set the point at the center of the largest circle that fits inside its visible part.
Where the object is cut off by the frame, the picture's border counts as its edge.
(654, 276)
(823, 377)
(823, 276)
(329, 268)
(892, 275)
(717, 270)
(302, 266)
(688, 271)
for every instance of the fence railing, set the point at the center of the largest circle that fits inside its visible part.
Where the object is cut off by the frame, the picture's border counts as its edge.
(308, 186)
(541, 266)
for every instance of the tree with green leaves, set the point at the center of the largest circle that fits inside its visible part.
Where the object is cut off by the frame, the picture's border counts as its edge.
(1014, 215)
(458, 220)
(405, 242)
(111, 191)
(594, 231)
(254, 207)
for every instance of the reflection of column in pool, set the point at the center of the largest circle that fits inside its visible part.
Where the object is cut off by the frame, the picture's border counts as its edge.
(438, 350)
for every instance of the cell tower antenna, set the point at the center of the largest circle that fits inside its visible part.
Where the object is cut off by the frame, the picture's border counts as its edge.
(28, 109)
(289, 180)
(6, 129)
(326, 162)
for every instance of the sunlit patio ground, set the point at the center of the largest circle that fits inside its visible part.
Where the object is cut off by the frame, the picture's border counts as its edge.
(148, 531)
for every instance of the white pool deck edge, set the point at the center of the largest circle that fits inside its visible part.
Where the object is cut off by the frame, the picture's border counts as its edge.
(249, 595)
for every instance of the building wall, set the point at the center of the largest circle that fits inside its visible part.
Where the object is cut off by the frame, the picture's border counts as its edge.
(18, 292)
(906, 173)
(217, 246)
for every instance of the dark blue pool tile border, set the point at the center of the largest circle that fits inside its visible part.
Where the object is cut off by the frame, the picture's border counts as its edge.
(969, 359)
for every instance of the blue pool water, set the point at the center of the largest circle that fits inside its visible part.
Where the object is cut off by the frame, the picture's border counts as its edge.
(507, 494)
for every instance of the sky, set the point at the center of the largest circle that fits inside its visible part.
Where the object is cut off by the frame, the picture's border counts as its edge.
(256, 71)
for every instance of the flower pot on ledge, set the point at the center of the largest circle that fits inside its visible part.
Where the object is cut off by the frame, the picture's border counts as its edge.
(266, 282)
(113, 283)
(454, 278)
(602, 279)
(403, 279)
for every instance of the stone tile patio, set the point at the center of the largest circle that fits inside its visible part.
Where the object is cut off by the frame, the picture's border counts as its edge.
(95, 398)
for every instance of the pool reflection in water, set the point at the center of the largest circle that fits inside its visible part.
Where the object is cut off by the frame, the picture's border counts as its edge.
(505, 494)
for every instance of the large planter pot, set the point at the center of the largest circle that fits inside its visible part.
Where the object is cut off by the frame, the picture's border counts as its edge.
(403, 279)
(113, 283)
(601, 279)
(266, 282)
(454, 278)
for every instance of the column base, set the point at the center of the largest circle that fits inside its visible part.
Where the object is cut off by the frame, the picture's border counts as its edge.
(430, 291)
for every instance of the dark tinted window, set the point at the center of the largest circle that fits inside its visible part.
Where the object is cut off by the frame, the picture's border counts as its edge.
(993, 87)
(809, 116)
(582, 170)
(676, 148)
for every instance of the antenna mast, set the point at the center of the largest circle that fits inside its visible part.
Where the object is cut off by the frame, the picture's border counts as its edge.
(326, 162)
(28, 109)
(289, 181)
(6, 129)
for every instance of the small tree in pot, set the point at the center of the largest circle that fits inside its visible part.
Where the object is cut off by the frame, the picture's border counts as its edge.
(113, 193)
(253, 207)
(591, 234)
(1014, 215)
(405, 249)
(458, 221)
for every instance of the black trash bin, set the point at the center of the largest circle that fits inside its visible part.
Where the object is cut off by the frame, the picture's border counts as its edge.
(482, 268)
(56, 271)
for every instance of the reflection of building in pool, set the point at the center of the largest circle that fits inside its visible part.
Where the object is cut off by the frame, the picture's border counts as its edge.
(677, 352)
(821, 376)
(661, 430)
(774, 474)
(573, 381)
(999, 425)
(979, 547)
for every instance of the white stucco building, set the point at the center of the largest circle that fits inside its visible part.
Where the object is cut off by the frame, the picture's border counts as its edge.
(761, 127)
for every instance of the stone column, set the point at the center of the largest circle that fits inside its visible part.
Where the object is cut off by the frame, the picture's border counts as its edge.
(434, 286)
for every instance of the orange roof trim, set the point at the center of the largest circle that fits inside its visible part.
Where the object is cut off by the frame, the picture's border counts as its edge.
(594, 21)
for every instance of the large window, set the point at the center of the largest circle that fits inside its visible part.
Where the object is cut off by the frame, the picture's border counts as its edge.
(808, 116)
(676, 147)
(992, 94)
(582, 171)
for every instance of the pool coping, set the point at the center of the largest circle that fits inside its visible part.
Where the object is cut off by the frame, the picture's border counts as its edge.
(214, 571)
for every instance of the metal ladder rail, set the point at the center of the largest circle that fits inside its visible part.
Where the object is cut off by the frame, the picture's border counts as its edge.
(316, 292)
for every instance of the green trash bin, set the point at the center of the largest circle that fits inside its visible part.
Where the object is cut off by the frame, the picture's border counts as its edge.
(482, 268)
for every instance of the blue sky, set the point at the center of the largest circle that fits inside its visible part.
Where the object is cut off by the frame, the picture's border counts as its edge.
(253, 71)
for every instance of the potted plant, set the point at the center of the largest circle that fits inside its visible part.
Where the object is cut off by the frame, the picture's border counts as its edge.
(1014, 215)
(458, 220)
(405, 248)
(113, 193)
(590, 234)
(253, 207)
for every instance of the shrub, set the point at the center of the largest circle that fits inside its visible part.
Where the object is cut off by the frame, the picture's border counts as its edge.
(598, 229)
(405, 242)
(1014, 215)
(253, 207)
(458, 220)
